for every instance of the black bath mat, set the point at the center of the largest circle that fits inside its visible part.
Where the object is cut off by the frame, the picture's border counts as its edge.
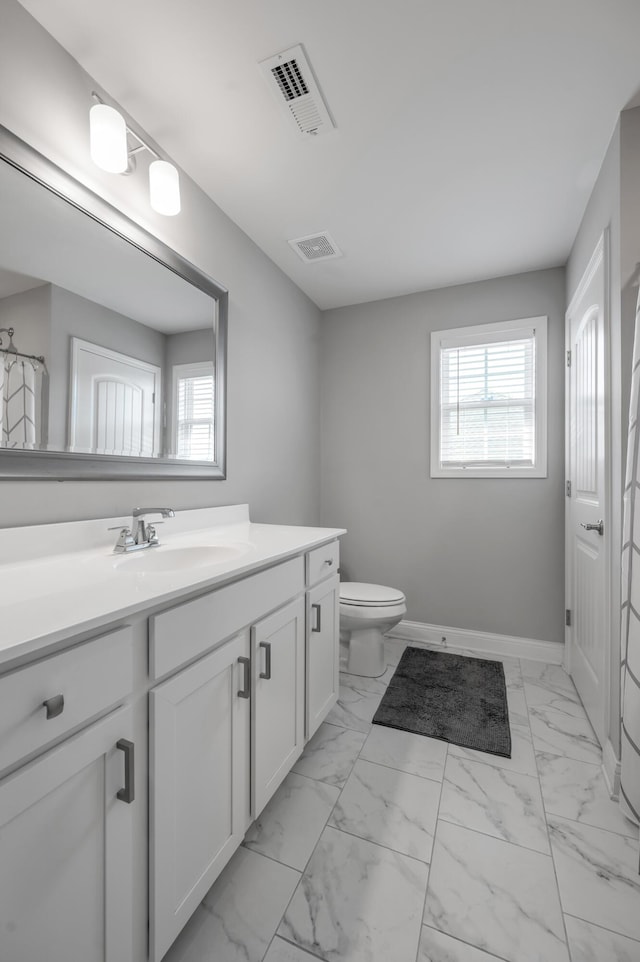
(458, 699)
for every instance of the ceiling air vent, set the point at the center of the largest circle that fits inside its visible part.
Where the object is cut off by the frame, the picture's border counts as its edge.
(291, 78)
(316, 247)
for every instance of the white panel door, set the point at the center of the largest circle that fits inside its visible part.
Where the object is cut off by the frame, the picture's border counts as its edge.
(587, 518)
(66, 852)
(115, 402)
(277, 652)
(199, 783)
(322, 651)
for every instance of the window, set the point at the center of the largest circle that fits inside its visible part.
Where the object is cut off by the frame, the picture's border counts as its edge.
(488, 400)
(193, 405)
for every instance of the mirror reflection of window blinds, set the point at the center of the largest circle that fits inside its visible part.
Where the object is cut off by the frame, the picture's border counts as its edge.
(487, 402)
(194, 423)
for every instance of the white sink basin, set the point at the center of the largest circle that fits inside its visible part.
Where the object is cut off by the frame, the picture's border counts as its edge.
(166, 558)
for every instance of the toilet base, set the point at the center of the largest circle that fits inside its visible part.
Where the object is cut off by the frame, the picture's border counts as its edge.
(365, 652)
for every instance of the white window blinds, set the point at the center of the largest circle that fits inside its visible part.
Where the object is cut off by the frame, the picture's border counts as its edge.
(487, 406)
(194, 413)
(488, 396)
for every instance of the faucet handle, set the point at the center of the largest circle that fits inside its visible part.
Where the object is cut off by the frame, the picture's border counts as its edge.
(125, 540)
(152, 536)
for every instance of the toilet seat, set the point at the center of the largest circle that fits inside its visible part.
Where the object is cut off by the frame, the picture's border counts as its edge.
(358, 594)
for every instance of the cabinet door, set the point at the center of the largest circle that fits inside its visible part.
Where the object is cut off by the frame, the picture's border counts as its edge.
(65, 851)
(322, 651)
(277, 650)
(199, 783)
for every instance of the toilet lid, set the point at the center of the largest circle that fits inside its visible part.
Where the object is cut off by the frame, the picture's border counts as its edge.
(357, 593)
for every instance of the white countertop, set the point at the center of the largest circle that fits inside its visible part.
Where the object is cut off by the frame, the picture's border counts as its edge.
(60, 580)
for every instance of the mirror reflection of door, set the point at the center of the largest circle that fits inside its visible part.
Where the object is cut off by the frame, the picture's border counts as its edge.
(113, 403)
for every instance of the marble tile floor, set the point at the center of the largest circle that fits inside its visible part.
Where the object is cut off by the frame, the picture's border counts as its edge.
(383, 846)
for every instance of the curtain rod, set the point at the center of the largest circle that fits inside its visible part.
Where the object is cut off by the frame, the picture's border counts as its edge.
(12, 349)
(31, 357)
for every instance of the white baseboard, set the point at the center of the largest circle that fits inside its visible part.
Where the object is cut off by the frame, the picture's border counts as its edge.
(482, 642)
(611, 769)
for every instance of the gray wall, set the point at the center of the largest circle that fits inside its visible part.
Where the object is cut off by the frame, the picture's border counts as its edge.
(273, 382)
(477, 554)
(188, 348)
(29, 313)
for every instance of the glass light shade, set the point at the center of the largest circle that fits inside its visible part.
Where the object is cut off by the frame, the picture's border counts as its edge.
(108, 139)
(164, 188)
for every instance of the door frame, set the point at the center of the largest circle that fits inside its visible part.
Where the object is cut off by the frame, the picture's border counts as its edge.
(612, 494)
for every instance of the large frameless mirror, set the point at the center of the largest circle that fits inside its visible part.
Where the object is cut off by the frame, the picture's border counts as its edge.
(112, 347)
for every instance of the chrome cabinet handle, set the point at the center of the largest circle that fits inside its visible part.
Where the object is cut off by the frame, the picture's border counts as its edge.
(246, 691)
(598, 526)
(318, 611)
(328, 561)
(54, 706)
(267, 659)
(127, 794)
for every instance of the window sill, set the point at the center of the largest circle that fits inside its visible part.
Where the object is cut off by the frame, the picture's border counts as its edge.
(506, 473)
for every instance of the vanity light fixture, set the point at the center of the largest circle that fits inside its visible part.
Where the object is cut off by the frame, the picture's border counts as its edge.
(108, 139)
(164, 188)
(110, 150)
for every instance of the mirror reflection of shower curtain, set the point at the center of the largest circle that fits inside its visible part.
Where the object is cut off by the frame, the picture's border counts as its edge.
(17, 402)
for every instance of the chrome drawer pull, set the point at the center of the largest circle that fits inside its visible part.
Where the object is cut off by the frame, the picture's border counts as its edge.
(127, 794)
(318, 611)
(267, 659)
(246, 691)
(54, 706)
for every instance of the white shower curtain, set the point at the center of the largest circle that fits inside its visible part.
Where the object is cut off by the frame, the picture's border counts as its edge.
(17, 402)
(630, 641)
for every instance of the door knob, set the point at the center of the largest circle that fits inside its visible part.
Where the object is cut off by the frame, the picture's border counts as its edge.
(598, 526)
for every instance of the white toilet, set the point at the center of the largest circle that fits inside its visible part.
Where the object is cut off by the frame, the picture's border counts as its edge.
(367, 612)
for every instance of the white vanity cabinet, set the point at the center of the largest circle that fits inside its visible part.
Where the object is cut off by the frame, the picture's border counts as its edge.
(215, 683)
(223, 731)
(66, 868)
(323, 634)
(199, 783)
(277, 648)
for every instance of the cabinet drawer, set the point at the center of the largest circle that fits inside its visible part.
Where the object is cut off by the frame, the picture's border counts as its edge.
(91, 678)
(322, 562)
(186, 631)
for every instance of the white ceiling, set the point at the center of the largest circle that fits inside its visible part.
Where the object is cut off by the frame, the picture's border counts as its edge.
(469, 132)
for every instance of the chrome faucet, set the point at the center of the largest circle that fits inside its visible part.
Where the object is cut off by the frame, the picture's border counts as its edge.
(141, 534)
